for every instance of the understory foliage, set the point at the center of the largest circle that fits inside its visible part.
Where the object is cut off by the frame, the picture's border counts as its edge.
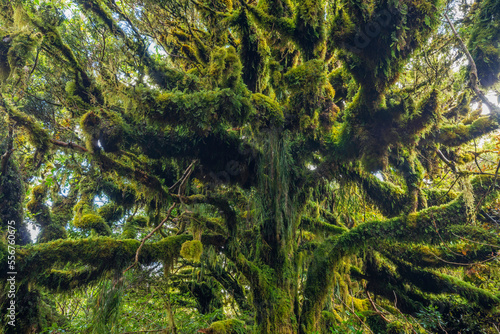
(268, 166)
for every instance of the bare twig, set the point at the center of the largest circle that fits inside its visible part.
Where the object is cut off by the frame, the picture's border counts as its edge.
(183, 177)
(149, 236)
(375, 307)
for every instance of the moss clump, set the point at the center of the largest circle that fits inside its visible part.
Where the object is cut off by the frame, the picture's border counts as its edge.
(269, 112)
(94, 222)
(131, 225)
(16, 50)
(398, 327)
(110, 212)
(311, 98)
(230, 326)
(129, 231)
(89, 221)
(139, 221)
(105, 128)
(192, 250)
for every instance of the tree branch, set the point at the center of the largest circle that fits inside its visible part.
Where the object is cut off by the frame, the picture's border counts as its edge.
(473, 71)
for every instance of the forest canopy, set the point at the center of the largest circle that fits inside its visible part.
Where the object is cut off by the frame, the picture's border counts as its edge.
(260, 166)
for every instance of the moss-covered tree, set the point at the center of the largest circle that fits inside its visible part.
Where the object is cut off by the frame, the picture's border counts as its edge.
(319, 162)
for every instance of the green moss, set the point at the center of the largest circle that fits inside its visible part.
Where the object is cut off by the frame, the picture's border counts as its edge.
(140, 221)
(94, 222)
(11, 199)
(254, 53)
(37, 135)
(192, 250)
(202, 110)
(398, 327)
(21, 45)
(456, 135)
(110, 212)
(129, 230)
(110, 253)
(230, 326)
(311, 98)
(269, 112)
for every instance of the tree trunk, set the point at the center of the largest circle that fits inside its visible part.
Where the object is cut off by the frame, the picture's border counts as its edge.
(275, 314)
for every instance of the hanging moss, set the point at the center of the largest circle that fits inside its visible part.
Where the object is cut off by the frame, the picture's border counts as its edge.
(192, 250)
(310, 28)
(311, 98)
(427, 112)
(129, 229)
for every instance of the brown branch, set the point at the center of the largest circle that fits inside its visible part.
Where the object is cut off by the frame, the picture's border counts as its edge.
(183, 177)
(446, 161)
(149, 236)
(473, 71)
(68, 145)
(375, 307)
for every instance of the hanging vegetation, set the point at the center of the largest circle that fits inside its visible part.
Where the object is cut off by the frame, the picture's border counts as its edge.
(268, 166)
